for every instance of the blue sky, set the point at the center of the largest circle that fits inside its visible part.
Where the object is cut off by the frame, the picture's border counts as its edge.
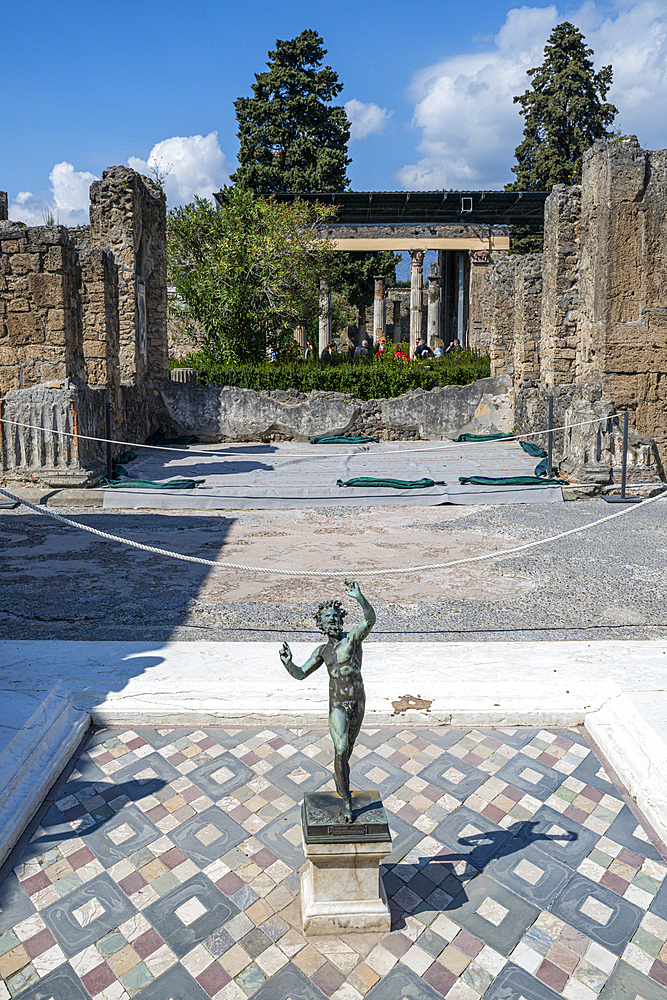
(428, 87)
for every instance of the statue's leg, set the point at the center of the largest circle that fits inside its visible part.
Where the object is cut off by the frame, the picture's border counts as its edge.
(356, 718)
(339, 729)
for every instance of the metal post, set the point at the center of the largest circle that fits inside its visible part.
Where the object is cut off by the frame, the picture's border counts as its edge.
(624, 465)
(460, 319)
(108, 436)
(550, 445)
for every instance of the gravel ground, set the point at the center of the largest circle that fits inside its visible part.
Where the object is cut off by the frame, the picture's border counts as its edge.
(608, 583)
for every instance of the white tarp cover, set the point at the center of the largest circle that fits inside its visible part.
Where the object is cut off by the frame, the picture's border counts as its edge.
(294, 475)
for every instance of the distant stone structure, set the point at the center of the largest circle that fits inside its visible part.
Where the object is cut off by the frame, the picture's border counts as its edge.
(83, 320)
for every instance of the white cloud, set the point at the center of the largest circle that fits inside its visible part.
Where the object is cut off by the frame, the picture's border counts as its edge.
(194, 164)
(67, 200)
(464, 108)
(365, 119)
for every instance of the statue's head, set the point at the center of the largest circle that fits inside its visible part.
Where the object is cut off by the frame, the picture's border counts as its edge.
(329, 618)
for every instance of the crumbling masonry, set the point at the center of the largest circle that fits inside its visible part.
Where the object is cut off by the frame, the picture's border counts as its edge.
(83, 316)
(586, 320)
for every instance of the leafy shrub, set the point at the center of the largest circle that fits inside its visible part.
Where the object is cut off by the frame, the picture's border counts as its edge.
(380, 378)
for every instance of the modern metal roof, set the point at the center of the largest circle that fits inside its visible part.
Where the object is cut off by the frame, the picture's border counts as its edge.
(414, 207)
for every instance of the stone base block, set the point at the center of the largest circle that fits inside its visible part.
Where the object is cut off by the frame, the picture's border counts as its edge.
(342, 890)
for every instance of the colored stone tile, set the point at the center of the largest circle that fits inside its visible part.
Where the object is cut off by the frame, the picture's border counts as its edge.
(597, 912)
(183, 927)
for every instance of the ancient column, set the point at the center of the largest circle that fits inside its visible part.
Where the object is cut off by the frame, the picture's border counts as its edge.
(433, 323)
(325, 313)
(460, 309)
(300, 336)
(378, 312)
(416, 290)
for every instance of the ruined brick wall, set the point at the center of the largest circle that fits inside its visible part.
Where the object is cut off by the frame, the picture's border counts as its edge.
(99, 313)
(80, 236)
(480, 330)
(502, 295)
(128, 216)
(40, 315)
(560, 273)
(623, 287)
(4, 206)
(528, 314)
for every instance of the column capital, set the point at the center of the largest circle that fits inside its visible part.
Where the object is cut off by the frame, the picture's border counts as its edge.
(417, 257)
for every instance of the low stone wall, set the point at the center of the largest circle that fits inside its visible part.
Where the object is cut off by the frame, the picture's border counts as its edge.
(225, 413)
(30, 455)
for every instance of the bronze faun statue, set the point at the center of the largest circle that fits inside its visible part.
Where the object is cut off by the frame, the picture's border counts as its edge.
(347, 698)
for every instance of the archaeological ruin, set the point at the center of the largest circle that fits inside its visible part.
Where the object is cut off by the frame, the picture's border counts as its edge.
(84, 345)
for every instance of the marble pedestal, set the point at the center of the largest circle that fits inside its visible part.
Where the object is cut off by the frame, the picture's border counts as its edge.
(341, 889)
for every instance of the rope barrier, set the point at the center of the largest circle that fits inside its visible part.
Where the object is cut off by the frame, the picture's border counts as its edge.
(326, 574)
(329, 454)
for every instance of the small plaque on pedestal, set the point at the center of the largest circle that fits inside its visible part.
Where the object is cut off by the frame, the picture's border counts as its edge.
(321, 822)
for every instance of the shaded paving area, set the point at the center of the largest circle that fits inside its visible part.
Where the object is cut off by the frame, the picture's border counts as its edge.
(607, 583)
(166, 863)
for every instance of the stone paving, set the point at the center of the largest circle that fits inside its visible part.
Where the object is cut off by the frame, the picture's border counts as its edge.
(166, 864)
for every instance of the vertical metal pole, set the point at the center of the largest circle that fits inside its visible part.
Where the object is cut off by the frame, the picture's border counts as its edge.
(108, 436)
(461, 300)
(550, 445)
(624, 466)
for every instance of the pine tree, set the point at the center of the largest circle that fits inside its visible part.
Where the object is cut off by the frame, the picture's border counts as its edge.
(292, 138)
(565, 113)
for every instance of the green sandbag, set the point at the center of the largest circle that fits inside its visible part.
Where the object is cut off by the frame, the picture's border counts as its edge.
(533, 449)
(336, 439)
(481, 437)
(511, 481)
(174, 484)
(124, 457)
(395, 484)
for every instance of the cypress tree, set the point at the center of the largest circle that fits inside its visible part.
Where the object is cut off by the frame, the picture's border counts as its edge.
(565, 113)
(292, 138)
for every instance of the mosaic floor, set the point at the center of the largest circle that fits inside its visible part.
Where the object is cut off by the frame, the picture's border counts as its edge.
(166, 865)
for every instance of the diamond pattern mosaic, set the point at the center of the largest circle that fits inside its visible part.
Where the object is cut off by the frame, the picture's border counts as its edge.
(168, 862)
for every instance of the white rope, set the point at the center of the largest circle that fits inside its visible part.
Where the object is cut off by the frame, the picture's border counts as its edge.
(310, 573)
(310, 454)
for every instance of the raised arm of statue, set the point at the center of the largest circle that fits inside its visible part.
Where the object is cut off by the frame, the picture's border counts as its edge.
(361, 630)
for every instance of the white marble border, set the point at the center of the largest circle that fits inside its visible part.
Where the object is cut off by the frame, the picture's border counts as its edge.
(33, 759)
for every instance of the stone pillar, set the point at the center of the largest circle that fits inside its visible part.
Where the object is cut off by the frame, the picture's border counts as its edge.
(560, 305)
(433, 304)
(128, 216)
(300, 336)
(460, 307)
(325, 314)
(379, 319)
(416, 301)
(4, 210)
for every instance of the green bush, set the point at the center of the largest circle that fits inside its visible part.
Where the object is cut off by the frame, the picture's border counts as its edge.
(380, 378)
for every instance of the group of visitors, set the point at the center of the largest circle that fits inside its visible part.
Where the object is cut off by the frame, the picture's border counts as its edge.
(365, 351)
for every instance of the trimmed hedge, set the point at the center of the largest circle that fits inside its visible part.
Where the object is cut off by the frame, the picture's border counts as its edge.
(375, 379)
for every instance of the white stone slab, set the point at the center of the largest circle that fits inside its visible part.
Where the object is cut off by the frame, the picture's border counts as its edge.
(342, 890)
(39, 735)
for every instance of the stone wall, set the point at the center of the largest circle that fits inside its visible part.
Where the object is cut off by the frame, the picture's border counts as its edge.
(128, 216)
(623, 326)
(27, 454)
(40, 314)
(560, 271)
(480, 297)
(224, 413)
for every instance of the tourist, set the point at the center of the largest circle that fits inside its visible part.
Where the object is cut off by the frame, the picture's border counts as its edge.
(422, 350)
(274, 353)
(454, 346)
(325, 356)
(309, 351)
(381, 347)
(437, 352)
(361, 351)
